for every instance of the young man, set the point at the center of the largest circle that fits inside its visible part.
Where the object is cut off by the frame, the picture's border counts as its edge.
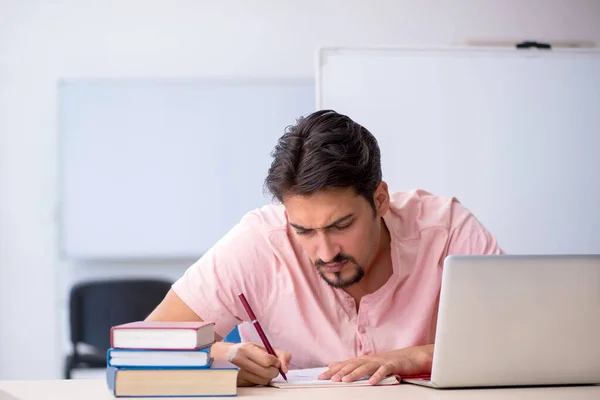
(341, 274)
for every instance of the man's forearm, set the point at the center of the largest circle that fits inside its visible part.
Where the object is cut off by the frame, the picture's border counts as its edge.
(421, 356)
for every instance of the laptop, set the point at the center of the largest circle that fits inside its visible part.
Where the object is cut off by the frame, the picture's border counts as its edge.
(517, 320)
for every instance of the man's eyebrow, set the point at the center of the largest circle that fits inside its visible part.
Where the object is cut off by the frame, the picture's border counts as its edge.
(337, 221)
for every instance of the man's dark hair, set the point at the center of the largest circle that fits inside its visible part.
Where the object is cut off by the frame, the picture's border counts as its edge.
(325, 150)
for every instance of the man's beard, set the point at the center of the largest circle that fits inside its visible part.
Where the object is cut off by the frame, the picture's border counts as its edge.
(338, 282)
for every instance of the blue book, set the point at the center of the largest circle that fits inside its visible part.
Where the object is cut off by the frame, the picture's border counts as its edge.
(141, 358)
(219, 379)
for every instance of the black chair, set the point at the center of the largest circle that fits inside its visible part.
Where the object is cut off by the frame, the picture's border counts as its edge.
(98, 305)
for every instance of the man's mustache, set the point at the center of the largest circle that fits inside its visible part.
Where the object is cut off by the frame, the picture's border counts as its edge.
(337, 259)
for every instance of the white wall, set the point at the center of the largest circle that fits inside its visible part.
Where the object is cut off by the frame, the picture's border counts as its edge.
(42, 42)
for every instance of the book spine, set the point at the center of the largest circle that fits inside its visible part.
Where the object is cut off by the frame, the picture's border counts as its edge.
(111, 379)
(111, 334)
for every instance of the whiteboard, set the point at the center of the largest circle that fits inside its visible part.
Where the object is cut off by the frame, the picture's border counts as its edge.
(163, 169)
(513, 134)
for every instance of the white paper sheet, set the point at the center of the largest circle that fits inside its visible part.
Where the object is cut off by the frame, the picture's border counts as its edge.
(310, 378)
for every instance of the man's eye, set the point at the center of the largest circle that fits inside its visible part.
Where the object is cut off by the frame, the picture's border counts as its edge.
(302, 232)
(342, 227)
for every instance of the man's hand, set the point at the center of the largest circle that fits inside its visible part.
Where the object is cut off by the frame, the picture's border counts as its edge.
(404, 362)
(257, 366)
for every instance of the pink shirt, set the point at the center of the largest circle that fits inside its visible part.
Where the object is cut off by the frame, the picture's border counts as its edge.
(318, 324)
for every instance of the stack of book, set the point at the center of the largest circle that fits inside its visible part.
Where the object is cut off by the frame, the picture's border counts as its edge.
(167, 359)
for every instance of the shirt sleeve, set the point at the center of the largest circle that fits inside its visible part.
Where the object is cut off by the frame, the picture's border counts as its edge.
(240, 262)
(468, 235)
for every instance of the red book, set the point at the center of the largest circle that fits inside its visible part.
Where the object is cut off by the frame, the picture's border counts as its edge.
(162, 335)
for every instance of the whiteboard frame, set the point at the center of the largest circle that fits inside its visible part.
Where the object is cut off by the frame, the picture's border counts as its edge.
(327, 51)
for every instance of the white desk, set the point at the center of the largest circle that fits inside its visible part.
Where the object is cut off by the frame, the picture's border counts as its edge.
(97, 390)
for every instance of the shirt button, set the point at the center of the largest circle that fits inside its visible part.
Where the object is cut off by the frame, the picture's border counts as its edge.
(361, 329)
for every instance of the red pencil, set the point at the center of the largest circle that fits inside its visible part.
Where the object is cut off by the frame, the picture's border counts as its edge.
(259, 329)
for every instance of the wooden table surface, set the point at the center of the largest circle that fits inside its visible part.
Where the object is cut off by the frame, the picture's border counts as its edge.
(91, 389)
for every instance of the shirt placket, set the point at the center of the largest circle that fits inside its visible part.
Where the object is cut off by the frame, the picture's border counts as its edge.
(365, 345)
(349, 306)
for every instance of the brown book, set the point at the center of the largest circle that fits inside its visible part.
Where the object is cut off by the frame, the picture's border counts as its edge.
(220, 379)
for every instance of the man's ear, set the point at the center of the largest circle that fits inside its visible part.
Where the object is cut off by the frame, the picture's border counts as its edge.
(381, 198)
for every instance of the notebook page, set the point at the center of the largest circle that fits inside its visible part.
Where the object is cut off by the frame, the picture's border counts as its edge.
(310, 378)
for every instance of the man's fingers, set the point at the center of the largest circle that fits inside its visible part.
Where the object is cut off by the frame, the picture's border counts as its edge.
(257, 362)
(285, 358)
(346, 369)
(259, 370)
(247, 378)
(362, 370)
(331, 371)
(260, 356)
(283, 355)
(254, 360)
(382, 372)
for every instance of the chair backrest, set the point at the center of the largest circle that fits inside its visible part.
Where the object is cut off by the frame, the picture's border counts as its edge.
(98, 305)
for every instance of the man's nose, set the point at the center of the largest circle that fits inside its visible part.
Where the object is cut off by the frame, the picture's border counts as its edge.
(327, 249)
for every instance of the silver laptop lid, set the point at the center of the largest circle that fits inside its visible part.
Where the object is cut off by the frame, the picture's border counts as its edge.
(518, 320)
